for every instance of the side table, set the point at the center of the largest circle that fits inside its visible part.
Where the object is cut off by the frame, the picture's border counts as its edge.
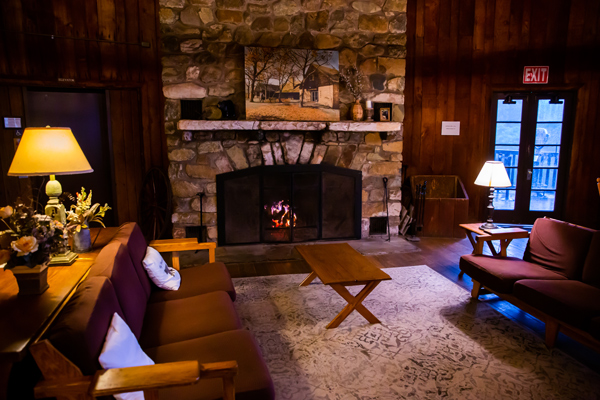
(505, 236)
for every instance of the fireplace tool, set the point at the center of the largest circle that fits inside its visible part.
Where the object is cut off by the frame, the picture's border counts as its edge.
(419, 212)
(385, 199)
(197, 231)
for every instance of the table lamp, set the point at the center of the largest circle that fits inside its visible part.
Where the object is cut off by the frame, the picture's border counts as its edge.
(50, 151)
(492, 175)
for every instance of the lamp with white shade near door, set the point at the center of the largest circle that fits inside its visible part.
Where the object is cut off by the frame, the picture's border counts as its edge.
(492, 175)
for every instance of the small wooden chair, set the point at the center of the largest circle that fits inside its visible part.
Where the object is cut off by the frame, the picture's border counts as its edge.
(174, 246)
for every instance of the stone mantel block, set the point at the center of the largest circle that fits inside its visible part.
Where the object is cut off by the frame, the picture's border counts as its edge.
(193, 125)
(346, 126)
(365, 126)
(291, 126)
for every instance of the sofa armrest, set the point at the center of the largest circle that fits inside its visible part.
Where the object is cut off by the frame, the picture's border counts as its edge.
(64, 380)
(150, 377)
(176, 245)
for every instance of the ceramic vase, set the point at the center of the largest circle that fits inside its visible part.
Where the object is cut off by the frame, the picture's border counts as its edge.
(357, 111)
(82, 241)
(31, 280)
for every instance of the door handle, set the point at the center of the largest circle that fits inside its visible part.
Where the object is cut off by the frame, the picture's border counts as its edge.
(529, 174)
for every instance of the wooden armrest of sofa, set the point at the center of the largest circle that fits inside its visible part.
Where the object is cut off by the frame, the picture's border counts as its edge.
(176, 245)
(64, 380)
(149, 377)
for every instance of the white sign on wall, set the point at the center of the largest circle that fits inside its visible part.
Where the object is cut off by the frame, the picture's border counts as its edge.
(450, 128)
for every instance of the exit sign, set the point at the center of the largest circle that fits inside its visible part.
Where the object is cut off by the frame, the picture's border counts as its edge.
(536, 74)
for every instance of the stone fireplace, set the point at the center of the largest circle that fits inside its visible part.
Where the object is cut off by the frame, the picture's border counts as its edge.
(289, 203)
(203, 45)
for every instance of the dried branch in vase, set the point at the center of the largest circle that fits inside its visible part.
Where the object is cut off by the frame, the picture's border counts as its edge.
(355, 81)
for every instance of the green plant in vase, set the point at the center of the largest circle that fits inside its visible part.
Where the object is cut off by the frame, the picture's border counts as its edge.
(79, 217)
(26, 245)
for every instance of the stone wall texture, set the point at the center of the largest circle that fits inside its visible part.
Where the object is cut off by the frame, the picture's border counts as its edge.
(203, 58)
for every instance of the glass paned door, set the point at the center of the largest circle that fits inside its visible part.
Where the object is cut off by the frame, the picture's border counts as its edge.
(529, 135)
(506, 149)
(548, 138)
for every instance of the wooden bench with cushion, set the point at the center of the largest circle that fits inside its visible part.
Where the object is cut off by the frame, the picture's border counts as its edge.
(557, 281)
(197, 323)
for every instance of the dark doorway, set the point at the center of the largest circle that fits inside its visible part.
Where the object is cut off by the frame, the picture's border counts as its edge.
(531, 135)
(85, 113)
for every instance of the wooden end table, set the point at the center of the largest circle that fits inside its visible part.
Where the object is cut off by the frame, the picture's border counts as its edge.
(339, 265)
(505, 237)
(25, 319)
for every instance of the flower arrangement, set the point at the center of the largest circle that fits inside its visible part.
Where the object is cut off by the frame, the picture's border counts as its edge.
(355, 81)
(83, 212)
(29, 238)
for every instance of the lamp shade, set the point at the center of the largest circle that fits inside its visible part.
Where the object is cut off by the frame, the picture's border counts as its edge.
(493, 174)
(48, 151)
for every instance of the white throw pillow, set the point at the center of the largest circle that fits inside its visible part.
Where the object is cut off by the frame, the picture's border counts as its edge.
(161, 274)
(121, 349)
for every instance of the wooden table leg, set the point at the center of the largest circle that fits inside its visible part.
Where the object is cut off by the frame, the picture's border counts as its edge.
(309, 279)
(5, 367)
(503, 246)
(354, 303)
(470, 236)
(492, 248)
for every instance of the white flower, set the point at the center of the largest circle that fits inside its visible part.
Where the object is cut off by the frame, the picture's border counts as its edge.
(25, 245)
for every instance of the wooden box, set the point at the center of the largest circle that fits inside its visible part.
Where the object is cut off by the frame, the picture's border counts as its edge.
(446, 205)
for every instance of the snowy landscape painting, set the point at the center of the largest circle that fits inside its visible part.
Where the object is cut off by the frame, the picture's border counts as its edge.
(291, 84)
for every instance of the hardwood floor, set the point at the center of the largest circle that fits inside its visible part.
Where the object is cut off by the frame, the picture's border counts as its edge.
(442, 255)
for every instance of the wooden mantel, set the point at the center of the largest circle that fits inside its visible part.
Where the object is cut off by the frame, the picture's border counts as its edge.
(243, 125)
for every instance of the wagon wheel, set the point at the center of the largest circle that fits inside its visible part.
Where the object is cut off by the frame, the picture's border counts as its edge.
(155, 204)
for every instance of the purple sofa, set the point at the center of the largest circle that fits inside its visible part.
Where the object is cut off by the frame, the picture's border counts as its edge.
(557, 281)
(197, 322)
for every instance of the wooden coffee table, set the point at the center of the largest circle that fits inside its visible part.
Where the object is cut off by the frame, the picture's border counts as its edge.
(339, 265)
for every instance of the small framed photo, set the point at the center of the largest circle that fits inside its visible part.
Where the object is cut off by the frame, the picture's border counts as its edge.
(384, 114)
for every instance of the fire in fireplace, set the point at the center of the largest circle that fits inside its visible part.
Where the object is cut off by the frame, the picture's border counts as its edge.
(281, 215)
(288, 203)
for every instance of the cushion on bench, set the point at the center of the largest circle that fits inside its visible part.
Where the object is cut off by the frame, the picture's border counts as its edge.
(252, 381)
(114, 263)
(183, 319)
(197, 280)
(130, 235)
(559, 246)
(80, 329)
(570, 301)
(591, 268)
(500, 273)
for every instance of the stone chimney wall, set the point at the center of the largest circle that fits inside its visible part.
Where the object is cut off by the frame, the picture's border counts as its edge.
(202, 43)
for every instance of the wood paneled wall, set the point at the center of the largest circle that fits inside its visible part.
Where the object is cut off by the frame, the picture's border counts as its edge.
(460, 51)
(96, 44)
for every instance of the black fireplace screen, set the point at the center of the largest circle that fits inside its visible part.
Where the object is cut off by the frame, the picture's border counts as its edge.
(288, 203)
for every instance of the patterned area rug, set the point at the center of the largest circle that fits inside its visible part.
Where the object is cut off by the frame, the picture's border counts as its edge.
(433, 343)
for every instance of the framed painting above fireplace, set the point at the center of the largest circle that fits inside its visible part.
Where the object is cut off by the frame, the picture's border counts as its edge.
(291, 84)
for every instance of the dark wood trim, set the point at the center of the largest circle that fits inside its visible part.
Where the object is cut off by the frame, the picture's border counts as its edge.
(76, 85)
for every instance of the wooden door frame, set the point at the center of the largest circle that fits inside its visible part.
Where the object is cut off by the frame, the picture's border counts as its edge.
(569, 121)
(23, 85)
